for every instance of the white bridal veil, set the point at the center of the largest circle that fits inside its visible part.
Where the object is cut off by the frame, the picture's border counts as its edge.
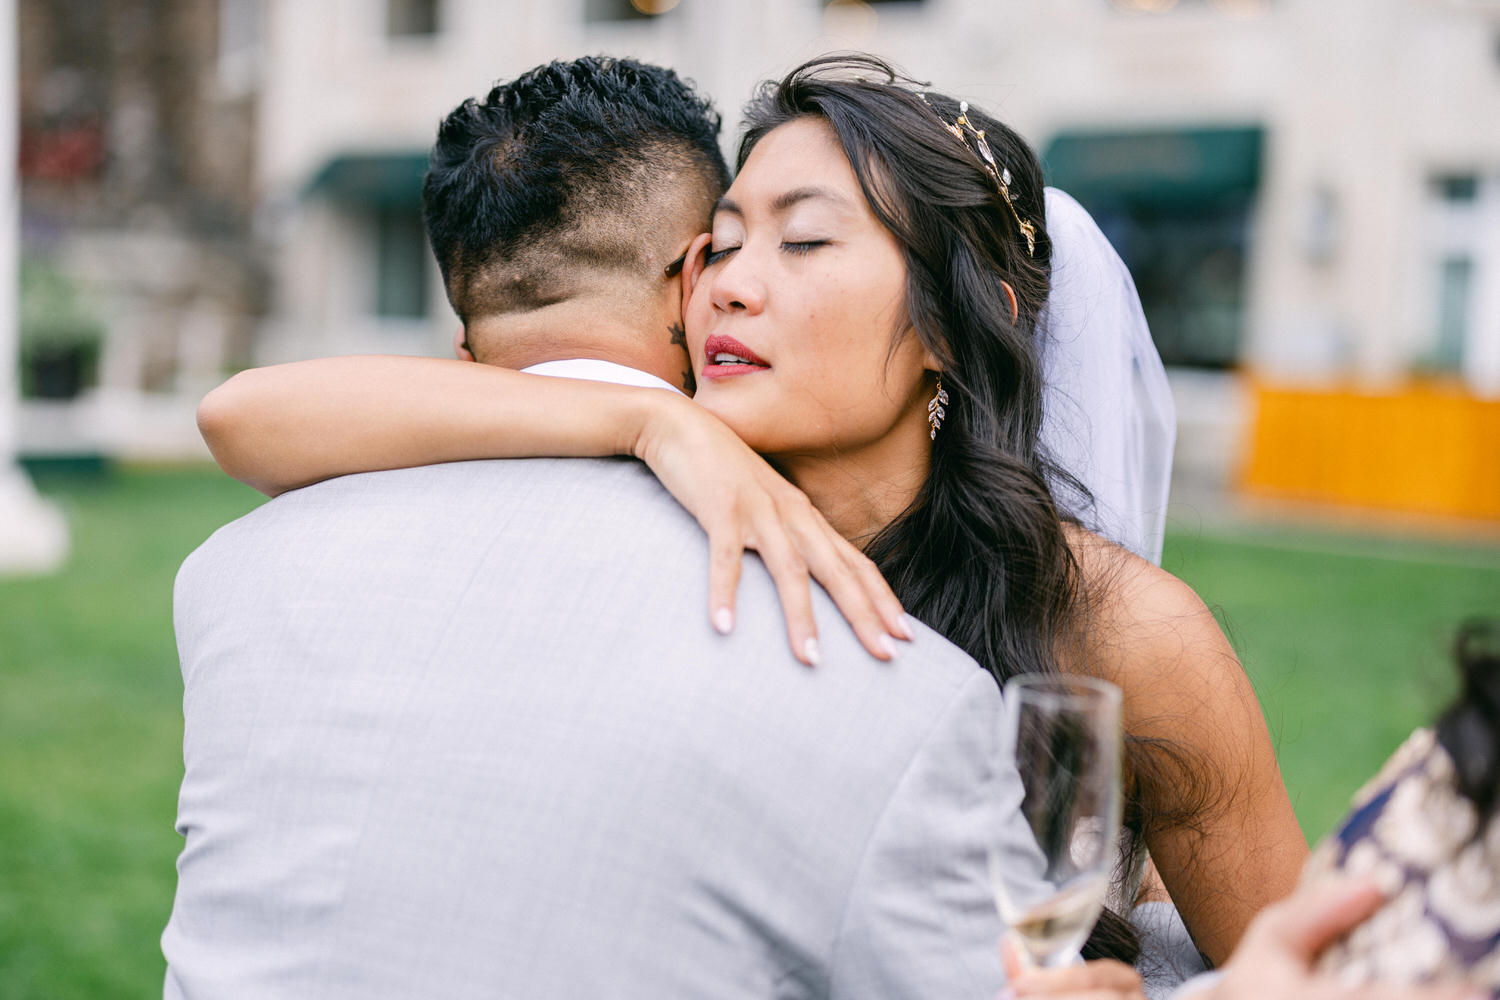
(1108, 413)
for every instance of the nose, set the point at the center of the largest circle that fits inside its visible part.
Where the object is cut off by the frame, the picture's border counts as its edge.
(737, 285)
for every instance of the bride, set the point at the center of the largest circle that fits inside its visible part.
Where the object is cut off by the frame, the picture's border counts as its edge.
(860, 324)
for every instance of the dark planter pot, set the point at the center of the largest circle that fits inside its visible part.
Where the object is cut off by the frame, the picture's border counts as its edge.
(57, 372)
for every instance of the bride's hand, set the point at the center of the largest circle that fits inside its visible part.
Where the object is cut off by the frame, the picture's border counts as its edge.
(743, 503)
(1101, 979)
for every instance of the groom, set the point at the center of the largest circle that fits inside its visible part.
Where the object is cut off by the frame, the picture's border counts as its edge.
(462, 730)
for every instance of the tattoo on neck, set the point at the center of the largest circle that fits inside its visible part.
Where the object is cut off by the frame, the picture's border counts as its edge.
(679, 339)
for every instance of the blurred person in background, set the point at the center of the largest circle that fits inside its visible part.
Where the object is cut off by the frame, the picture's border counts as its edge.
(1424, 830)
(914, 172)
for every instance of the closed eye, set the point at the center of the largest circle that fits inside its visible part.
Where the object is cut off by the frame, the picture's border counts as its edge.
(806, 246)
(714, 256)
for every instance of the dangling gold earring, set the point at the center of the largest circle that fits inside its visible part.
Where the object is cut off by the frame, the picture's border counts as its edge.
(935, 411)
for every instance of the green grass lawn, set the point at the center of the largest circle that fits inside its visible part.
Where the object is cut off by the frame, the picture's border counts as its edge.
(91, 738)
(1345, 639)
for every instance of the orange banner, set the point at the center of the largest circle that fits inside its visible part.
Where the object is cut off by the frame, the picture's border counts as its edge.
(1430, 448)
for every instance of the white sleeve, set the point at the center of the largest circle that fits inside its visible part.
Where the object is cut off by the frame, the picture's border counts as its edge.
(1108, 417)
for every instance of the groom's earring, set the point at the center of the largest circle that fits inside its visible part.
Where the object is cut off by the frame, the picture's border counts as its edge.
(935, 411)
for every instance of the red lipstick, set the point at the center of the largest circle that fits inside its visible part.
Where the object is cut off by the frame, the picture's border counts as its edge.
(725, 356)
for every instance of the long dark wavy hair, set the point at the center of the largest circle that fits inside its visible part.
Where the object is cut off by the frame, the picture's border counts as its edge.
(1470, 729)
(980, 555)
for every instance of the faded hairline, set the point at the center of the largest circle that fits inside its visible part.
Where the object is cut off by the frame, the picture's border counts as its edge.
(618, 249)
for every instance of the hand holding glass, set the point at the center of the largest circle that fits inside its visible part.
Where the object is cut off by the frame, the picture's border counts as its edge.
(1063, 734)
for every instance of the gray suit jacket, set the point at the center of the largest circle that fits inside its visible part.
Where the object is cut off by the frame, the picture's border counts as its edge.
(465, 731)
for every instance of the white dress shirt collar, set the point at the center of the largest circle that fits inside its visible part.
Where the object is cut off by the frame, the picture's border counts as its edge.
(601, 371)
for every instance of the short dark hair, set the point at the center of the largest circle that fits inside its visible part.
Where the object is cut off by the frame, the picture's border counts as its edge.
(559, 169)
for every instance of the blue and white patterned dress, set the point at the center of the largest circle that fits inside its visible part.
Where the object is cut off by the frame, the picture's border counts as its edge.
(1420, 839)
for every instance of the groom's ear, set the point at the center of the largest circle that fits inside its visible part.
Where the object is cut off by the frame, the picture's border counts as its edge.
(692, 268)
(461, 345)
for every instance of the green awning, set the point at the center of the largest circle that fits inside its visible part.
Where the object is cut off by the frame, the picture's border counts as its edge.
(1160, 166)
(373, 179)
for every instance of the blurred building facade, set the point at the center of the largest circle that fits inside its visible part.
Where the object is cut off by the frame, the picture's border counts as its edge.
(33, 534)
(140, 279)
(1307, 191)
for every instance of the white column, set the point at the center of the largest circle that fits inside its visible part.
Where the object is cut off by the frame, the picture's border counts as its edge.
(33, 534)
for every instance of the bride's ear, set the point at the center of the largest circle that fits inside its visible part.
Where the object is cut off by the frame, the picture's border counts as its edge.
(461, 345)
(930, 361)
(692, 267)
(1015, 305)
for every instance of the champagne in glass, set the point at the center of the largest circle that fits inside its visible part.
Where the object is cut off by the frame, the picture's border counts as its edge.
(1051, 871)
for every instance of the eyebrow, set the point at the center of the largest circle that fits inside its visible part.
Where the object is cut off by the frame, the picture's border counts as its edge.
(787, 199)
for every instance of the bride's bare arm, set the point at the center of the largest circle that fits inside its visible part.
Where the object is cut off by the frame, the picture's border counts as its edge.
(1225, 840)
(287, 426)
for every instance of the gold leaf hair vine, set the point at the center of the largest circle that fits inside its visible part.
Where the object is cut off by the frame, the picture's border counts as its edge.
(1000, 175)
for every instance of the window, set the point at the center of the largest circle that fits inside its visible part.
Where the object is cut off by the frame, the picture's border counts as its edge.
(1176, 204)
(1460, 314)
(1458, 188)
(1454, 282)
(1189, 265)
(626, 10)
(411, 18)
(239, 45)
(400, 263)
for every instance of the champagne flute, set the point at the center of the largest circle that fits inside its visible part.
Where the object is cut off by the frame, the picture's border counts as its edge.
(1050, 868)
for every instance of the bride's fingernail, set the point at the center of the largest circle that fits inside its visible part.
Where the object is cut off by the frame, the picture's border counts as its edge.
(887, 647)
(723, 621)
(903, 626)
(810, 651)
